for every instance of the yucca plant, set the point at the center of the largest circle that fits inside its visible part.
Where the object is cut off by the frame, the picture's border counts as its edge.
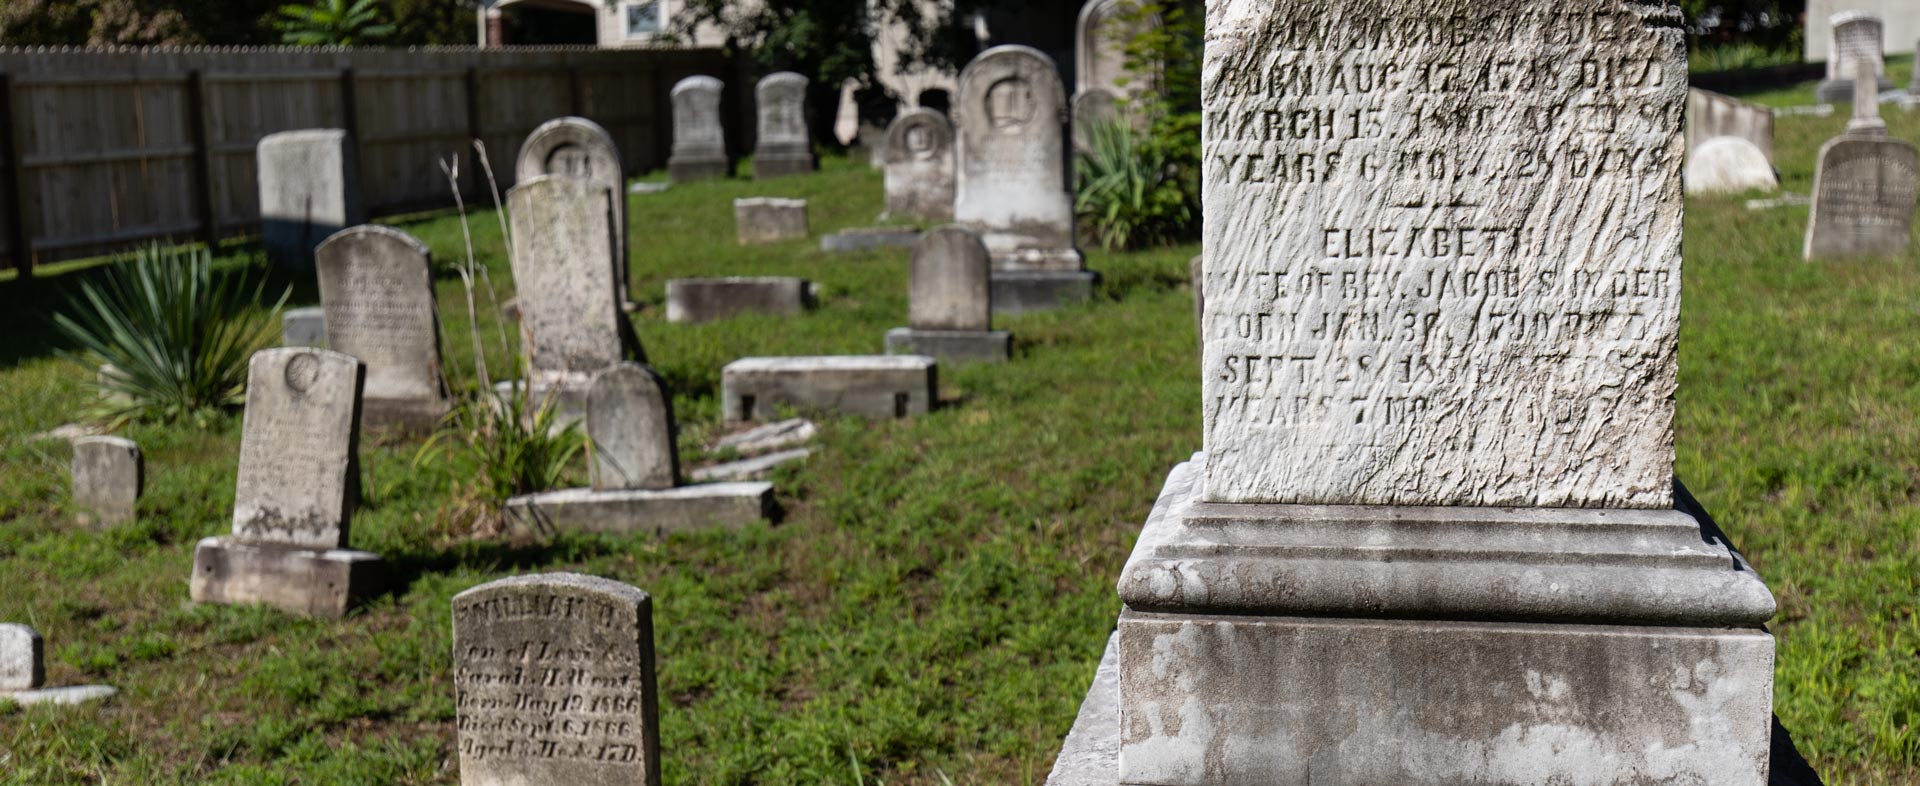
(177, 337)
(331, 23)
(1130, 194)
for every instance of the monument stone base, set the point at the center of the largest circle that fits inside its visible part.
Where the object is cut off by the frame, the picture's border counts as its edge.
(68, 696)
(952, 346)
(691, 170)
(1840, 91)
(305, 581)
(683, 509)
(1432, 646)
(879, 387)
(1024, 291)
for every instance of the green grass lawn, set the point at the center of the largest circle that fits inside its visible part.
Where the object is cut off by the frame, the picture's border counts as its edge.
(931, 607)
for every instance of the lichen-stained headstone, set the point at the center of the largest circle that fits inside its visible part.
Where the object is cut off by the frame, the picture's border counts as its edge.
(578, 147)
(919, 166)
(1864, 192)
(299, 443)
(554, 676)
(630, 423)
(376, 284)
(1010, 123)
(699, 141)
(784, 145)
(569, 305)
(1443, 252)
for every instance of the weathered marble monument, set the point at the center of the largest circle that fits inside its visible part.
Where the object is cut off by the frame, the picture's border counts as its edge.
(1012, 184)
(699, 141)
(784, 145)
(570, 313)
(1856, 35)
(1864, 189)
(635, 466)
(919, 166)
(950, 304)
(1435, 536)
(309, 189)
(299, 481)
(580, 148)
(554, 682)
(376, 284)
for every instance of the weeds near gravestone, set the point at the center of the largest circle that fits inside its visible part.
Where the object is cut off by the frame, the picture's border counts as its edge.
(510, 439)
(175, 337)
(1130, 195)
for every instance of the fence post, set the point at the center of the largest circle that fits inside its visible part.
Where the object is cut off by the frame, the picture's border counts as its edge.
(203, 201)
(19, 246)
(573, 91)
(474, 132)
(350, 122)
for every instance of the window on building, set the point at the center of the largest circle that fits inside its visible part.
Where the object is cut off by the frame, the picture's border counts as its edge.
(644, 18)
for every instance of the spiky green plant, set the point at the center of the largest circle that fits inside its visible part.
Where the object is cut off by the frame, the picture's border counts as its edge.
(177, 336)
(1130, 194)
(331, 23)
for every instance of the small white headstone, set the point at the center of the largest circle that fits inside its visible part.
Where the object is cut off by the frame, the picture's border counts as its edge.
(785, 145)
(1728, 165)
(107, 477)
(22, 658)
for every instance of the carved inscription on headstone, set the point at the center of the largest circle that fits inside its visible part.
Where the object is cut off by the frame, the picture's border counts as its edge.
(1443, 248)
(569, 312)
(1856, 35)
(298, 445)
(1011, 183)
(1863, 198)
(376, 284)
(555, 683)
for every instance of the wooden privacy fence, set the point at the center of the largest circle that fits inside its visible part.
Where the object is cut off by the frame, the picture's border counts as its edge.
(104, 149)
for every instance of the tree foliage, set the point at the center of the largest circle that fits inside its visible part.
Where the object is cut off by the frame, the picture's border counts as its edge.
(332, 23)
(209, 22)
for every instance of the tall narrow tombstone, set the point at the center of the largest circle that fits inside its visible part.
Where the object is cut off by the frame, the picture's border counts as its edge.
(1856, 35)
(376, 284)
(1435, 537)
(554, 682)
(309, 189)
(699, 141)
(1866, 104)
(950, 303)
(785, 146)
(1011, 185)
(108, 473)
(570, 317)
(297, 487)
(630, 422)
(578, 147)
(919, 166)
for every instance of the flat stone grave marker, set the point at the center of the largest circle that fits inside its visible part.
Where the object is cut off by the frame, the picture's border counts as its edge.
(919, 166)
(309, 189)
(1438, 382)
(873, 387)
(570, 314)
(554, 678)
(785, 145)
(1863, 198)
(699, 141)
(23, 672)
(108, 473)
(950, 311)
(297, 487)
(376, 284)
(635, 467)
(760, 220)
(696, 300)
(578, 147)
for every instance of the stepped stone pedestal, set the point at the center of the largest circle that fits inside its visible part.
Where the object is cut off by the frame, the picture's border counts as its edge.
(1024, 291)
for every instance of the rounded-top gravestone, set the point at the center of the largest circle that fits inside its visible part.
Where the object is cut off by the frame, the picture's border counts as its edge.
(580, 148)
(1728, 165)
(1012, 184)
(919, 166)
(376, 285)
(699, 141)
(630, 423)
(784, 145)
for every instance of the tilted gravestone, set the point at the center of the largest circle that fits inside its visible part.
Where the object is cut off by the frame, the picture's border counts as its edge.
(784, 145)
(376, 284)
(630, 422)
(1011, 186)
(23, 672)
(554, 682)
(1864, 192)
(1711, 115)
(570, 315)
(578, 147)
(636, 471)
(699, 141)
(309, 189)
(950, 302)
(1441, 342)
(1856, 35)
(297, 486)
(919, 166)
(108, 473)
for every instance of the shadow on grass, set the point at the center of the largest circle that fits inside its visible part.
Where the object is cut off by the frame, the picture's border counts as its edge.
(491, 557)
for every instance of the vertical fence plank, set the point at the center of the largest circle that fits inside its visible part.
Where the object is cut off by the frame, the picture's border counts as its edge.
(19, 244)
(203, 195)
